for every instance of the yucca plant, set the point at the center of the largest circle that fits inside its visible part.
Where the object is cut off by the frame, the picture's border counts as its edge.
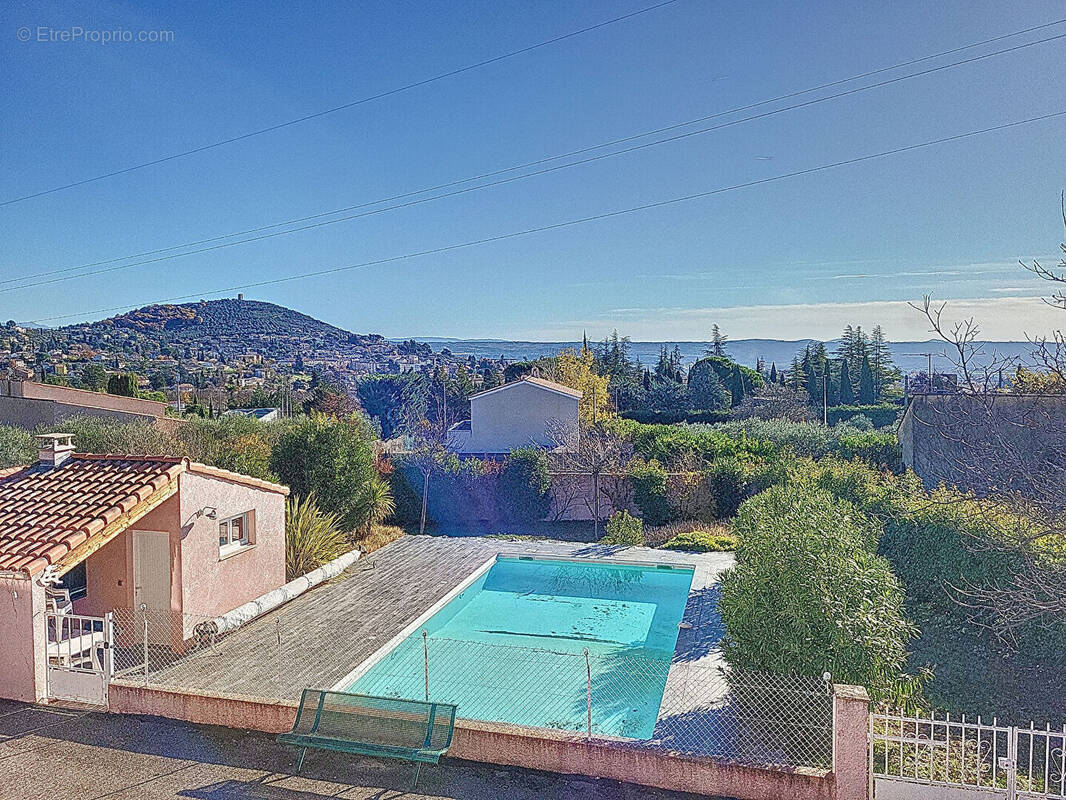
(312, 536)
(375, 503)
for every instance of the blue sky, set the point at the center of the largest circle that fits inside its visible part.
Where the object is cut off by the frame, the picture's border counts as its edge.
(798, 257)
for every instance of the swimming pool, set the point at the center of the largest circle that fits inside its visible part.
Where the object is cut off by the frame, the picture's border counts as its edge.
(511, 646)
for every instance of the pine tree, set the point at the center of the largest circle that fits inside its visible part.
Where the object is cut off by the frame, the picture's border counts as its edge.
(846, 392)
(884, 370)
(773, 372)
(846, 348)
(797, 373)
(760, 365)
(718, 342)
(867, 393)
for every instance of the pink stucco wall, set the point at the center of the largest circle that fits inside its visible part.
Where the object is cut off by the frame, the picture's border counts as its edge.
(562, 752)
(202, 582)
(211, 585)
(21, 639)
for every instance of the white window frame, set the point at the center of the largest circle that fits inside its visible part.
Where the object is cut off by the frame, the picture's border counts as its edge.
(225, 531)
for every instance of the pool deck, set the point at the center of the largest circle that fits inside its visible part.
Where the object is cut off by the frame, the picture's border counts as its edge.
(332, 629)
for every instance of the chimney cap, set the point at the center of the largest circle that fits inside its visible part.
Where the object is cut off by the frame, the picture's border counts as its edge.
(56, 439)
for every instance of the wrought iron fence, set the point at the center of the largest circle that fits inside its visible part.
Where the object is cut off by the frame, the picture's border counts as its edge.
(696, 707)
(979, 754)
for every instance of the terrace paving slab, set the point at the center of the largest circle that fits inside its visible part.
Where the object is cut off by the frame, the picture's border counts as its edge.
(331, 629)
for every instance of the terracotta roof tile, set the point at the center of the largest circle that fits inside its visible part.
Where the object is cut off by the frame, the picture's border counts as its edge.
(46, 512)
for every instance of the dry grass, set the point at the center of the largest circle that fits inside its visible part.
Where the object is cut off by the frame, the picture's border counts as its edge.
(379, 536)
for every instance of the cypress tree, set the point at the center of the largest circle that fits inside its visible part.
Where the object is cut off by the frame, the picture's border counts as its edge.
(773, 372)
(736, 385)
(867, 393)
(846, 393)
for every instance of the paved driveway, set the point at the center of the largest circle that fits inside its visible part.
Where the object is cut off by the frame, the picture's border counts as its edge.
(54, 754)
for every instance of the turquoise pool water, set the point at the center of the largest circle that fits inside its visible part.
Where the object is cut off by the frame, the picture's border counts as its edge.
(511, 646)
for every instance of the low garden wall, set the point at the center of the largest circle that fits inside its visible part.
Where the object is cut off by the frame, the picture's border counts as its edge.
(556, 751)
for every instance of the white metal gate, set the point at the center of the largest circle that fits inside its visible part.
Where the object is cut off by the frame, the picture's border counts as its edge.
(78, 657)
(915, 757)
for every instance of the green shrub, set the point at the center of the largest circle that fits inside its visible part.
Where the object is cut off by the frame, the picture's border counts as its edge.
(17, 447)
(703, 541)
(677, 447)
(312, 537)
(810, 595)
(881, 414)
(624, 529)
(877, 448)
(726, 478)
(648, 417)
(649, 480)
(334, 458)
(525, 485)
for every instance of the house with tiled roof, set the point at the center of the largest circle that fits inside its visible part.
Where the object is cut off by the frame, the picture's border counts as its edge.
(159, 534)
(529, 411)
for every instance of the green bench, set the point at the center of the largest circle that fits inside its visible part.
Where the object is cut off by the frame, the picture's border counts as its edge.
(408, 730)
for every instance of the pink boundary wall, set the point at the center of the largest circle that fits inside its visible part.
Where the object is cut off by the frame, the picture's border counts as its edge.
(530, 748)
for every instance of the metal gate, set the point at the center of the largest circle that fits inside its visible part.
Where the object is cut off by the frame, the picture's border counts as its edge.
(78, 657)
(915, 757)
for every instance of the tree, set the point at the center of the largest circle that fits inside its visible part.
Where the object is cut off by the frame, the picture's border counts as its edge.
(846, 392)
(775, 401)
(384, 398)
(773, 372)
(885, 372)
(667, 394)
(867, 393)
(718, 342)
(327, 398)
(94, 378)
(592, 450)
(705, 390)
(334, 458)
(525, 485)
(576, 370)
(124, 384)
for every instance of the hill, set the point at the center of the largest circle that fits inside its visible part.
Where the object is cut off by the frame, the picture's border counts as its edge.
(226, 318)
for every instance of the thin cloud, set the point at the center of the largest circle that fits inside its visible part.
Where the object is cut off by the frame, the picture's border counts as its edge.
(1001, 318)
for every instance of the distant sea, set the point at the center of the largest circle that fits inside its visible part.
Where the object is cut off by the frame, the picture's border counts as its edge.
(744, 351)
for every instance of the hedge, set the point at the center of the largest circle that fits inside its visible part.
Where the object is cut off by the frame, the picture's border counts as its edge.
(881, 414)
(673, 417)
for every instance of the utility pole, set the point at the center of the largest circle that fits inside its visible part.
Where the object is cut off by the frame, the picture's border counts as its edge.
(930, 385)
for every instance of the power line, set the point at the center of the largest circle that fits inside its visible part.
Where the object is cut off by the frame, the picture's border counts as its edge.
(545, 170)
(579, 221)
(342, 107)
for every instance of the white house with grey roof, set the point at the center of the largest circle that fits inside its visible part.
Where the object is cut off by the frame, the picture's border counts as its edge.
(530, 411)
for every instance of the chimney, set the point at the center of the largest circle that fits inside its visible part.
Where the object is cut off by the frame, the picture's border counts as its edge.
(54, 448)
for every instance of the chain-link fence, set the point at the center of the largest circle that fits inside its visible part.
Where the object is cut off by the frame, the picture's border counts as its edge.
(697, 707)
